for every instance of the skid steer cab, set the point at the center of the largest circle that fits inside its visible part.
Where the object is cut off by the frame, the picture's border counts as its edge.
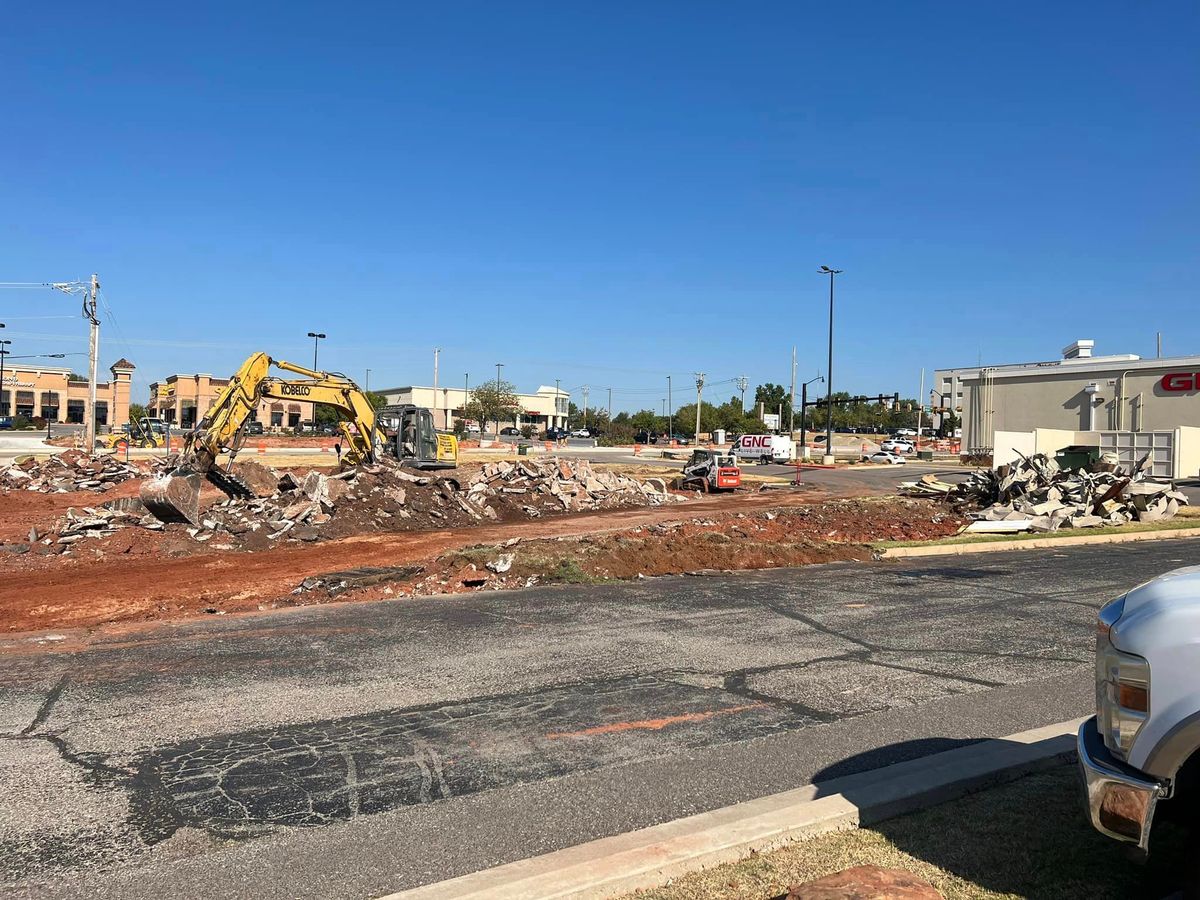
(412, 439)
(710, 471)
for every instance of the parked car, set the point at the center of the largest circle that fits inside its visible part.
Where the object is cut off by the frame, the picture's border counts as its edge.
(254, 428)
(471, 428)
(510, 431)
(581, 433)
(886, 456)
(898, 446)
(905, 432)
(645, 437)
(677, 438)
(1143, 744)
(554, 433)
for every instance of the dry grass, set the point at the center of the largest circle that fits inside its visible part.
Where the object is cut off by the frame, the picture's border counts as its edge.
(1025, 839)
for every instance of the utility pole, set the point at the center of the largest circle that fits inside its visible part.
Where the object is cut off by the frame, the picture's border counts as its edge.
(699, 393)
(498, 367)
(89, 310)
(610, 406)
(367, 385)
(792, 409)
(670, 412)
(743, 382)
(585, 402)
(445, 416)
(557, 394)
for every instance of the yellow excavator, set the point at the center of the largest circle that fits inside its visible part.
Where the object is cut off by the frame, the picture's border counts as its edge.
(403, 432)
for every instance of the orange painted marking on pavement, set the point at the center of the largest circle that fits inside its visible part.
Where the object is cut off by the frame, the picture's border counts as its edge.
(653, 724)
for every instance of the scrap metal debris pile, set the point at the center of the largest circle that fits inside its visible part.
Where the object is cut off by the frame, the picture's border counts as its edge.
(1036, 494)
(73, 470)
(378, 497)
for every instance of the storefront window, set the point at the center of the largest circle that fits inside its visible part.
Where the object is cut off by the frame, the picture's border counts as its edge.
(50, 405)
(24, 404)
(101, 412)
(5, 402)
(75, 412)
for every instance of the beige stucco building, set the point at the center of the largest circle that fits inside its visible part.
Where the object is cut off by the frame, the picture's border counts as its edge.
(546, 407)
(183, 399)
(50, 392)
(1121, 402)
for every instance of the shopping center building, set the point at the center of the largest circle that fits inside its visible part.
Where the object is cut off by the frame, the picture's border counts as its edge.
(182, 399)
(59, 395)
(1120, 403)
(542, 409)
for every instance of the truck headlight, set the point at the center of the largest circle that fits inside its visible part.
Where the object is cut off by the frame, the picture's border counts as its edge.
(1125, 699)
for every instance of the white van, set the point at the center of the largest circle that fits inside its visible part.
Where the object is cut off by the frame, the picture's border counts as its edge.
(764, 448)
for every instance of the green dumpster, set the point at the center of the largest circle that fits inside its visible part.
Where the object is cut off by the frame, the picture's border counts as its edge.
(522, 449)
(1077, 456)
(925, 455)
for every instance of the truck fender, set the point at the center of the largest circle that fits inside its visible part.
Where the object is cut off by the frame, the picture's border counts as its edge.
(1174, 748)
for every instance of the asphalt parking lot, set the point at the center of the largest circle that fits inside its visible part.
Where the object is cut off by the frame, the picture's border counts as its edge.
(363, 748)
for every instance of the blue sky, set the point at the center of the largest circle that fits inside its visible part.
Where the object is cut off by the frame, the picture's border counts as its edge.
(602, 192)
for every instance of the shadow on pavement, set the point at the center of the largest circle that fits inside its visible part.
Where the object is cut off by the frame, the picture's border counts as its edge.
(1028, 838)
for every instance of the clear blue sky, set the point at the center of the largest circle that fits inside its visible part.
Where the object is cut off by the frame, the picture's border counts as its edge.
(602, 192)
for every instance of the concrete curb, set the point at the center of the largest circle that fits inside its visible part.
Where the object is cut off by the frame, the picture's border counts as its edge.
(1038, 543)
(651, 856)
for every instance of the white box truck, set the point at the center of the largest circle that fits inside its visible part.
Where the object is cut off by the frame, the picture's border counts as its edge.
(764, 448)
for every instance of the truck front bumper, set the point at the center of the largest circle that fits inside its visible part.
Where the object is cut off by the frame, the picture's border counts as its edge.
(1120, 799)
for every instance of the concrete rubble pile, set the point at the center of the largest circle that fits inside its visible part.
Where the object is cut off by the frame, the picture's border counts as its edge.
(73, 470)
(384, 496)
(1036, 494)
(572, 485)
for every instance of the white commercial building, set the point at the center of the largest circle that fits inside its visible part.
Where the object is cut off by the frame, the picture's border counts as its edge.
(1121, 403)
(547, 407)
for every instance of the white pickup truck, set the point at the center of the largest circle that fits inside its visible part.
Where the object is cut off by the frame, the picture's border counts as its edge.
(1143, 745)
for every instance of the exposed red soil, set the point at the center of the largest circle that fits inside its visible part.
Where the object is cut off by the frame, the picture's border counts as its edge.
(760, 530)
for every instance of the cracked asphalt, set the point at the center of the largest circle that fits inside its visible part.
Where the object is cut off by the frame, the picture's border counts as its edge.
(352, 750)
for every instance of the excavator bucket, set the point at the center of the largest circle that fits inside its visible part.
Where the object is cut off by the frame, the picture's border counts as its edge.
(174, 497)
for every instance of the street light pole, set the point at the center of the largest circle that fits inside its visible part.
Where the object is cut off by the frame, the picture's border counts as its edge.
(7, 403)
(803, 412)
(316, 336)
(832, 273)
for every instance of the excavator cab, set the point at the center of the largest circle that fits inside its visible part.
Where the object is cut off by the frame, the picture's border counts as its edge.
(416, 442)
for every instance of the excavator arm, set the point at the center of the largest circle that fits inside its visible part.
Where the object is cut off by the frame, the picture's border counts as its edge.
(176, 496)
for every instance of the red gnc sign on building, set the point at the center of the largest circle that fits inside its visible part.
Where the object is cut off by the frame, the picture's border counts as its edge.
(1180, 382)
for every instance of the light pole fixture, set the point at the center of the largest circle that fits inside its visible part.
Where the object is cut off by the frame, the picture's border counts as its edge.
(832, 273)
(316, 336)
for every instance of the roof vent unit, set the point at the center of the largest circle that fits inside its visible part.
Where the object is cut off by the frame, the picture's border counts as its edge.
(1078, 350)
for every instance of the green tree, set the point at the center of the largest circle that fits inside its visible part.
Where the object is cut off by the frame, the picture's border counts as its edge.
(774, 398)
(648, 420)
(376, 399)
(493, 401)
(136, 411)
(685, 419)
